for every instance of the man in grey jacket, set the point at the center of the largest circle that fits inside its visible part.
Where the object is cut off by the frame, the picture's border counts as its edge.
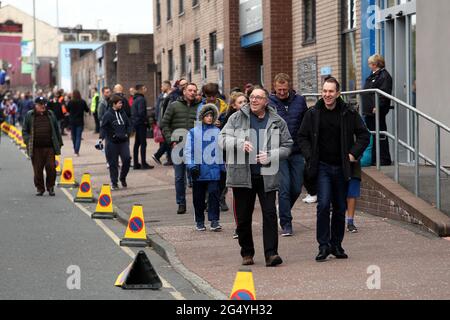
(256, 139)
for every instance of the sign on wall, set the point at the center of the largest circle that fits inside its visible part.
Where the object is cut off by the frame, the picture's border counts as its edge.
(307, 75)
(251, 16)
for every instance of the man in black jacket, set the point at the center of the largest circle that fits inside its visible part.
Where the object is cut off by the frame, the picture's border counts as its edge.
(140, 124)
(116, 129)
(332, 138)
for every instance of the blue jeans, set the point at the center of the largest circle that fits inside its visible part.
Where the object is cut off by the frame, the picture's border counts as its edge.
(77, 132)
(332, 189)
(291, 182)
(180, 183)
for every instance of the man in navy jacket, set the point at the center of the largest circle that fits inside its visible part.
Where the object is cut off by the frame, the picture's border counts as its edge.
(291, 107)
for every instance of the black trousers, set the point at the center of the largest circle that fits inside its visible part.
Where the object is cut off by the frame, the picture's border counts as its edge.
(385, 152)
(245, 203)
(97, 122)
(113, 152)
(140, 143)
(44, 158)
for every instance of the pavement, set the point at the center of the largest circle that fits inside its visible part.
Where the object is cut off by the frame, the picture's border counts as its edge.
(412, 264)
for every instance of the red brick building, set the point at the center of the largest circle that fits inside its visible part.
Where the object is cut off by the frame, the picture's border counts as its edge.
(239, 41)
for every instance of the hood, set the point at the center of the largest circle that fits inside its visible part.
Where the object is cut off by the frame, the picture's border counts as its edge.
(208, 108)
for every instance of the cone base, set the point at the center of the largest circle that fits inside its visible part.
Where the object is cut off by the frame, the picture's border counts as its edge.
(133, 243)
(84, 200)
(68, 186)
(104, 216)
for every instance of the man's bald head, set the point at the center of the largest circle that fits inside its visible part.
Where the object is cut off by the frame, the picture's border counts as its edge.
(118, 88)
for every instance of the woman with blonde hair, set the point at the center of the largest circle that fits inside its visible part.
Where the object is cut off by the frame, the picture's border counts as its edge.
(379, 79)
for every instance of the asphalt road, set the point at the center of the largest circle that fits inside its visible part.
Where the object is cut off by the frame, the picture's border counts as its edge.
(46, 242)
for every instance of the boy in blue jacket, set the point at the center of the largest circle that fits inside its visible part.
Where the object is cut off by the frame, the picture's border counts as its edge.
(205, 163)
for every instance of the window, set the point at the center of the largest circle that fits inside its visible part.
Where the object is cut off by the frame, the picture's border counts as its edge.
(197, 56)
(349, 63)
(158, 12)
(212, 48)
(183, 59)
(180, 6)
(309, 7)
(195, 3)
(134, 46)
(169, 10)
(170, 63)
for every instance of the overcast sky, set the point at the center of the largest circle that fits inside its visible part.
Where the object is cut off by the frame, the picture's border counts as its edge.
(132, 16)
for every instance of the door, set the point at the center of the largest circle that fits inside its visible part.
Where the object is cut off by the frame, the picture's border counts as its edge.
(397, 42)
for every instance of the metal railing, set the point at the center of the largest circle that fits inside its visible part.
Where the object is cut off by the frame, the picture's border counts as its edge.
(415, 149)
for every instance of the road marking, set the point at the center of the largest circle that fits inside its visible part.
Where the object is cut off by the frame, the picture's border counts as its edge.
(176, 294)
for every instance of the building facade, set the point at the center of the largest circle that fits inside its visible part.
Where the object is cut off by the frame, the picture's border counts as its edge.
(135, 63)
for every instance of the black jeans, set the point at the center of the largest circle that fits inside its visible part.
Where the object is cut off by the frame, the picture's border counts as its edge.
(245, 203)
(140, 143)
(385, 153)
(164, 148)
(113, 152)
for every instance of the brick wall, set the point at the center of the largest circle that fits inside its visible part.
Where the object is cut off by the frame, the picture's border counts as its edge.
(328, 46)
(278, 44)
(195, 23)
(241, 65)
(135, 63)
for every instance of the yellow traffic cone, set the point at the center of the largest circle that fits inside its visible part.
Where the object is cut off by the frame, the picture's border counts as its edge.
(244, 286)
(68, 175)
(105, 209)
(58, 165)
(85, 191)
(136, 234)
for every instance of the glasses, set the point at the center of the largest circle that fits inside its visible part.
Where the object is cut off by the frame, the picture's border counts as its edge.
(258, 98)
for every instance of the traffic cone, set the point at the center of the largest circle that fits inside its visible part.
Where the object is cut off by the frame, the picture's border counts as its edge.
(58, 165)
(85, 191)
(68, 175)
(244, 286)
(139, 275)
(136, 234)
(105, 209)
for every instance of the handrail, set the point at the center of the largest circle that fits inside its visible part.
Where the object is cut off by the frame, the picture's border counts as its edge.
(415, 149)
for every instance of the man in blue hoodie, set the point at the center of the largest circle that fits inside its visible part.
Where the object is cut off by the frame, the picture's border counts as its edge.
(291, 107)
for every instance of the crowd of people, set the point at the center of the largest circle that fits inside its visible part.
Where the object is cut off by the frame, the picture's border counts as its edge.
(263, 144)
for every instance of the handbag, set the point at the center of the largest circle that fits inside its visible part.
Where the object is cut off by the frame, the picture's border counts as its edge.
(366, 160)
(157, 134)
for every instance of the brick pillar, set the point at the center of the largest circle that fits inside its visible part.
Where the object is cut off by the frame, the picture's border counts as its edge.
(241, 65)
(278, 48)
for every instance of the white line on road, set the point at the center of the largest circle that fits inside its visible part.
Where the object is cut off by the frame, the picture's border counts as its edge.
(176, 294)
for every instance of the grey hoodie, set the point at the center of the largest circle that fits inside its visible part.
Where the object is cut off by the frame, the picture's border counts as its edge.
(277, 143)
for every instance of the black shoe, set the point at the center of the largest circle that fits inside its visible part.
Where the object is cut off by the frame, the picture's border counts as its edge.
(168, 164)
(157, 160)
(115, 187)
(323, 255)
(124, 183)
(339, 252)
(273, 261)
(352, 228)
(51, 192)
(146, 166)
(39, 194)
(182, 209)
(137, 167)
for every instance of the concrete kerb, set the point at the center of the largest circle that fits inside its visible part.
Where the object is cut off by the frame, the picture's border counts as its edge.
(168, 253)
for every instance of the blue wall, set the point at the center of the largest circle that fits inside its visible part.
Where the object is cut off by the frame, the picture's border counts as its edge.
(368, 36)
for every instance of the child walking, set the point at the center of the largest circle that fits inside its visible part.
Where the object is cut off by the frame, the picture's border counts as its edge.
(205, 163)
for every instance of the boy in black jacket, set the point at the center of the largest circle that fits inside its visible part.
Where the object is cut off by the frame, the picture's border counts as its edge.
(116, 129)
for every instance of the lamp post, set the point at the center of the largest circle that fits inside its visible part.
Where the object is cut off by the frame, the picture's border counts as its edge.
(34, 50)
